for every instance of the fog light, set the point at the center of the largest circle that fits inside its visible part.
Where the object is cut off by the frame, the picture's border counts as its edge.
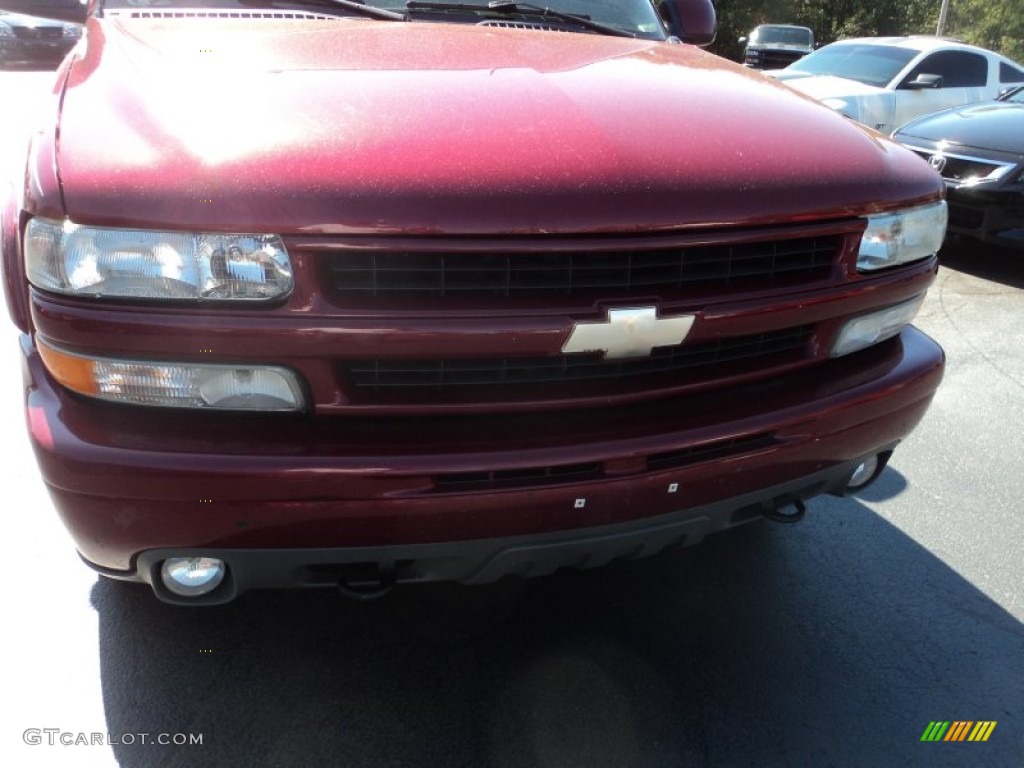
(865, 330)
(175, 384)
(863, 474)
(192, 576)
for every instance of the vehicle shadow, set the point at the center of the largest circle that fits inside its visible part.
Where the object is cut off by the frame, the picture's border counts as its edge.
(989, 262)
(832, 642)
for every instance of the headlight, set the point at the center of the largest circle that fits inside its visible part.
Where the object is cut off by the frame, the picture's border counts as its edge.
(874, 327)
(902, 237)
(143, 264)
(72, 32)
(6, 31)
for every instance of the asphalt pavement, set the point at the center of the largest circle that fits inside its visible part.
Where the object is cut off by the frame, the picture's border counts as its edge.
(833, 642)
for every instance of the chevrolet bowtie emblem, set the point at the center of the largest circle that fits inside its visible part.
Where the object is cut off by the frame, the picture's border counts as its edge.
(631, 332)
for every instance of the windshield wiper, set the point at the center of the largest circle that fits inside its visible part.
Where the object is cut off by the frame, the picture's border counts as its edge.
(355, 6)
(513, 6)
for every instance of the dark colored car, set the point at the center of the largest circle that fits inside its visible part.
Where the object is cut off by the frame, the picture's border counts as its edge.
(32, 40)
(341, 295)
(979, 152)
(774, 46)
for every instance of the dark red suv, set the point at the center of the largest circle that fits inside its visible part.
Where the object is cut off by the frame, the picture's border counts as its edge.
(323, 293)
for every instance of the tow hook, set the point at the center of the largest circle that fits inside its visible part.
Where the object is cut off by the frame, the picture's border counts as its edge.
(365, 589)
(793, 512)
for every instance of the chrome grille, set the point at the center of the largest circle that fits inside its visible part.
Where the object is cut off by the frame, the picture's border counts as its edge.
(962, 169)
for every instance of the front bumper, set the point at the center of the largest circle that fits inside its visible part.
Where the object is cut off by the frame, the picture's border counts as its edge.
(304, 501)
(367, 571)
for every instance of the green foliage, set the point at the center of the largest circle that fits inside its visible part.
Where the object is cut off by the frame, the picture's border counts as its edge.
(994, 24)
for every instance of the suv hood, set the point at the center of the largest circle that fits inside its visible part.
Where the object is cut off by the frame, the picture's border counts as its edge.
(353, 125)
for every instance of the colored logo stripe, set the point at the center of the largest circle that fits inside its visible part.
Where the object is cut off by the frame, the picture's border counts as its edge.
(982, 730)
(958, 730)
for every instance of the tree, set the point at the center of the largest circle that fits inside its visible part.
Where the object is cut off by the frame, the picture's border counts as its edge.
(737, 17)
(830, 19)
(994, 24)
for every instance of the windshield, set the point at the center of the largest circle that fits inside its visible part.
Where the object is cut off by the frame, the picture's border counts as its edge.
(782, 35)
(869, 64)
(635, 17)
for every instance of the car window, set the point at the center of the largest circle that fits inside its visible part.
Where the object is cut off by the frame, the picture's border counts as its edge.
(869, 64)
(1008, 74)
(783, 35)
(958, 69)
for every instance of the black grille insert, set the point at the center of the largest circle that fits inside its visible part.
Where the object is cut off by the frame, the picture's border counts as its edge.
(612, 273)
(779, 59)
(778, 346)
(572, 473)
(511, 478)
(707, 451)
(39, 33)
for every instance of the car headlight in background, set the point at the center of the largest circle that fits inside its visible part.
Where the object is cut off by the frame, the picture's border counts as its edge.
(901, 237)
(143, 264)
